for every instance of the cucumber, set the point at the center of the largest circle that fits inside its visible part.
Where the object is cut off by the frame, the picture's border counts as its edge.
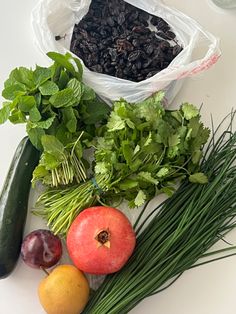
(14, 204)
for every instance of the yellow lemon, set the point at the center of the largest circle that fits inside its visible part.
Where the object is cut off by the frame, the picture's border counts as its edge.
(64, 291)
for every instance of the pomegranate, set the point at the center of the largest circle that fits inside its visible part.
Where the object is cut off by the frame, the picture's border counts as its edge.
(100, 240)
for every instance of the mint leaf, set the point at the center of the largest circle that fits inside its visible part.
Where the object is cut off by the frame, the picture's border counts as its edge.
(35, 135)
(13, 91)
(63, 135)
(69, 119)
(26, 103)
(48, 88)
(63, 80)
(34, 114)
(39, 172)
(38, 99)
(17, 116)
(50, 161)
(41, 75)
(64, 98)
(45, 124)
(53, 146)
(71, 64)
(140, 198)
(189, 111)
(76, 86)
(22, 75)
(87, 93)
(94, 111)
(79, 67)
(62, 61)
(198, 177)
(5, 112)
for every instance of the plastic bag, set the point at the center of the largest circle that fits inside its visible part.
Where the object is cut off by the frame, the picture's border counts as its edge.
(57, 17)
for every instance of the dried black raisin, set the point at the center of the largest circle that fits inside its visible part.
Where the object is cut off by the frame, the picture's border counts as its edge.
(114, 38)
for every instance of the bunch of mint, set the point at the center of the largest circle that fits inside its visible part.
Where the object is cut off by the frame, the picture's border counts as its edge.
(60, 114)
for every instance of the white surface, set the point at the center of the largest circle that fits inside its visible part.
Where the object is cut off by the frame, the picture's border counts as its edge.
(206, 290)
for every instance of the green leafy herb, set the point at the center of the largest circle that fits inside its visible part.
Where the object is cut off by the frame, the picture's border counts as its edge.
(48, 88)
(198, 177)
(57, 108)
(5, 112)
(142, 151)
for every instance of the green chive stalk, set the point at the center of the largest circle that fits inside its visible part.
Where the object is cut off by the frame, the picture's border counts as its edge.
(181, 231)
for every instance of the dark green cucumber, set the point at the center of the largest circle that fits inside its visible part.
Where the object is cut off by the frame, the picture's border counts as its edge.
(14, 204)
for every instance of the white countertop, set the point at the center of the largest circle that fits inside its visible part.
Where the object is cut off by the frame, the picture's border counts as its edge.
(206, 290)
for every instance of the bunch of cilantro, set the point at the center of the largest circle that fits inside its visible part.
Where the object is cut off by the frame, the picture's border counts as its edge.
(60, 114)
(142, 151)
(148, 149)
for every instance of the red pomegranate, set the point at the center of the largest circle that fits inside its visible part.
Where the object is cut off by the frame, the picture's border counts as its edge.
(100, 240)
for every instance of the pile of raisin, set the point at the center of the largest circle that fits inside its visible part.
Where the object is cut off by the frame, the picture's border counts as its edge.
(118, 39)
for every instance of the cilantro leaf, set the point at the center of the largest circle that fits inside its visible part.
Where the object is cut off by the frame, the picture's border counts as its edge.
(196, 156)
(147, 176)
(140, 198)
(201, 138)
(173, 140)
(127, 151)
(115, 122)
(127, 184)
(189, 111)
(198, 177)
(101, 167)
(162, 172)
